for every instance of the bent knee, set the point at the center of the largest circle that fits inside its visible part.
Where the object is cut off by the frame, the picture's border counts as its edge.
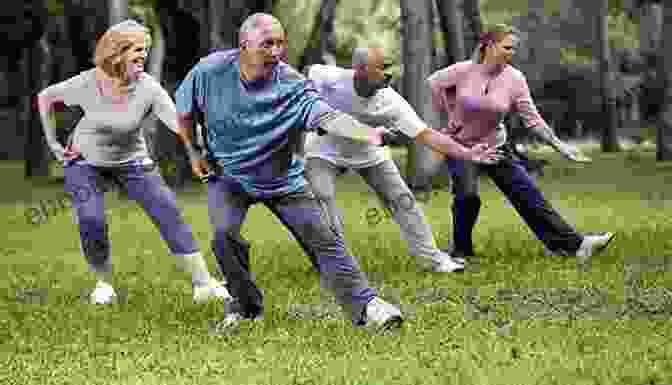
(468, 197)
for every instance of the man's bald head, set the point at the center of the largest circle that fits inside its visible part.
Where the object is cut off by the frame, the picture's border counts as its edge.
(363, 56)
(369, 65)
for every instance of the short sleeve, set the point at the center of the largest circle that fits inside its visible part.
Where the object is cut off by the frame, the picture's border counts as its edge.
(401, 114)
(189, 93)
(70, 92)
(323, 76)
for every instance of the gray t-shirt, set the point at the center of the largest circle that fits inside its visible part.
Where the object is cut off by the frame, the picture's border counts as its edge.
(110, 133)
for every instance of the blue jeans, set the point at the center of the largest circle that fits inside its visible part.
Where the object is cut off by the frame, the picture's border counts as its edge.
(308, 221)
(86, 185)
(510, 177)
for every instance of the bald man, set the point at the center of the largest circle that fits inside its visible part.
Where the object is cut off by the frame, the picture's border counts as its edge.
(253, 108)
(363, 92)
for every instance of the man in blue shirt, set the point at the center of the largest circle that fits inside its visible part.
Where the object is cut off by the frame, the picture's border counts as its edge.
(254, 108)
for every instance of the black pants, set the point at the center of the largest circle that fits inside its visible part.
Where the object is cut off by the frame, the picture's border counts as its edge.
(511, 177)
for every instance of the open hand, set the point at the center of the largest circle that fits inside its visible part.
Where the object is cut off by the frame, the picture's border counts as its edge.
(573, 153)
(200, 168)
(482, 153)
(71, 152)
(376, 135)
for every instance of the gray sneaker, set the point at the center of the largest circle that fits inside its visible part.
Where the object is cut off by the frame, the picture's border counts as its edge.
(382, 315)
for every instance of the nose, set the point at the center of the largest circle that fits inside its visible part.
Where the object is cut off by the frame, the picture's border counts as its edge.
(277, 51)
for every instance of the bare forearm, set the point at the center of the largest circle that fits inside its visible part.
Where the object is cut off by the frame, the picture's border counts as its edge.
(185, 132)
(547, 135)
(325, 119)
(443, 144)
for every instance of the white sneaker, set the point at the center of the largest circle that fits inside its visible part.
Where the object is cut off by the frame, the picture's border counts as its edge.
(593, 244)
(214, 289)
(382, 315)
(459, 260)
(444, 263)
(103, 294)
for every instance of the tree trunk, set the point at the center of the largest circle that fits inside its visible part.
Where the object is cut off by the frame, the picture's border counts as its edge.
(36, 74)
(157, 55)
(607, 77)
(664, 129)
(473, 24)
(650, 27)
(87, 21)
(118, 11)
(418, 63)
(321, 47)
(452, 27)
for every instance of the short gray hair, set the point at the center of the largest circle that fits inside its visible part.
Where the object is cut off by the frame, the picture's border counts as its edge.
(360, 56)
(253, 22)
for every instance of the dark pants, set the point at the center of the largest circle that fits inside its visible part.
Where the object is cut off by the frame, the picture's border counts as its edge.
(511, 177)
(308, 221)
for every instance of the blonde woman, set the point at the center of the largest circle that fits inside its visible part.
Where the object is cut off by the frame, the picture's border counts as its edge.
(107, 145)
(477, 94)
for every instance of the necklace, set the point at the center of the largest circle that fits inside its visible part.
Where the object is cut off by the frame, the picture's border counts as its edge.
(490, 79)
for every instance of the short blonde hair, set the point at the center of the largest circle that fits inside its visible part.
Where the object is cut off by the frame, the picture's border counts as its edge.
(492, 34)
(111, 48)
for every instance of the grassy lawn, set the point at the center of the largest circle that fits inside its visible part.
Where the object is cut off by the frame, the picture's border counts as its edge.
(520, 318)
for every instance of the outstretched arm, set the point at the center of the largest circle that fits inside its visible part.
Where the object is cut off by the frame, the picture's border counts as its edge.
(407, 123)
(447, 146)
(334, 122)
(524, 104)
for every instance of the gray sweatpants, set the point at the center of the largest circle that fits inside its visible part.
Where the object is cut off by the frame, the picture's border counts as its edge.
(385, 179)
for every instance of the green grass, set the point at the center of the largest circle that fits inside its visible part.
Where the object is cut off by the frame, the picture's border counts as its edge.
(590, 335)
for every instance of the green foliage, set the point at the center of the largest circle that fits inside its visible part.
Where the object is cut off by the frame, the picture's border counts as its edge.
(623, 32)
(288, 12)
(571, 55)
(55, 7)
(363, 21)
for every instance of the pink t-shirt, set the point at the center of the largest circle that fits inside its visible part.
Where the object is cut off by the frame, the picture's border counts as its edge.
(478, 96)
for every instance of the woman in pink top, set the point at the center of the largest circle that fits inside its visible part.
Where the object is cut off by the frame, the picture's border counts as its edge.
(477, 94)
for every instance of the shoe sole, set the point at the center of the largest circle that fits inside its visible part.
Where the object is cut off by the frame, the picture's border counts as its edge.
(434, 270)
(212, 299)
(392, 323)
(110, 301)
(604, 247)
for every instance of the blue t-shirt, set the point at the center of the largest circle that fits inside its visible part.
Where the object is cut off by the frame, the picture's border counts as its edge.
(251, 127)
